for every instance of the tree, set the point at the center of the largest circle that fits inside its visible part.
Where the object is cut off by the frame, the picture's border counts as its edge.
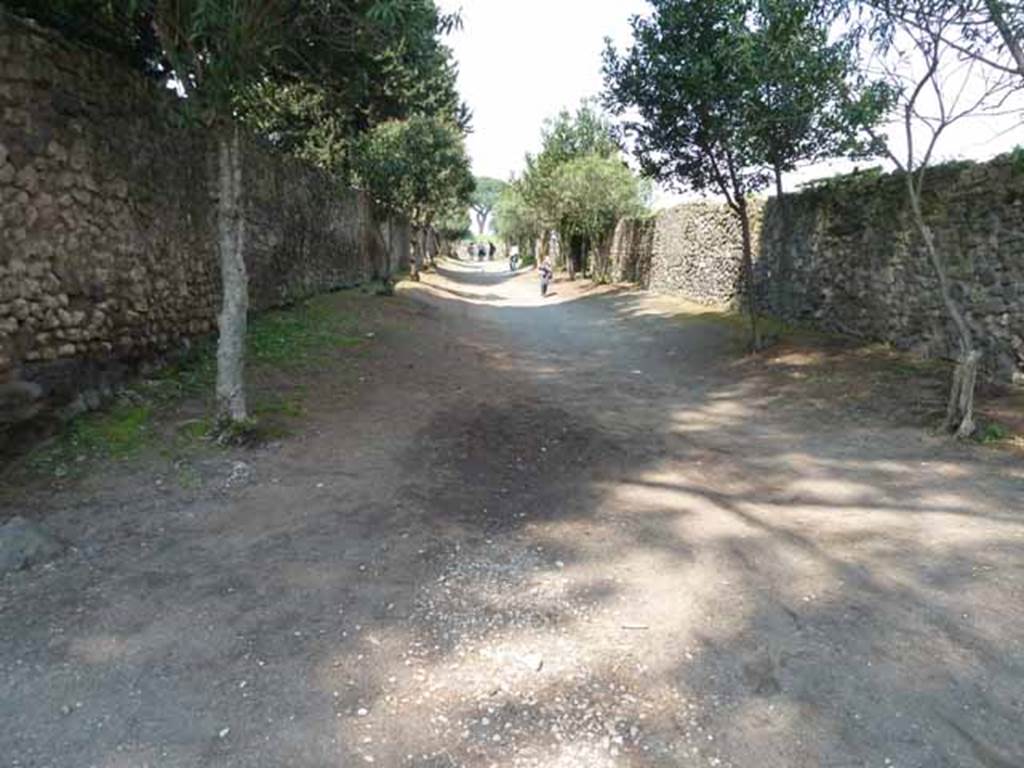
(516, 221)
(938, 84)
(563, 139)
(216, 50)
(729, 94)
(594, 192)
(485, 197)
(393, 68)
(811, 102)
(455, 225)
(307, 74)
(689, 81)
(418, 167)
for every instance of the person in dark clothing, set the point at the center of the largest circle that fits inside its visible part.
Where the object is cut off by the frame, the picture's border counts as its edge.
(491, 251)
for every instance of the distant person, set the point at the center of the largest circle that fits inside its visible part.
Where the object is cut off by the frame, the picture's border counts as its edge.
(546, 273)
(491, 251)
(513, 258)
(481, 251)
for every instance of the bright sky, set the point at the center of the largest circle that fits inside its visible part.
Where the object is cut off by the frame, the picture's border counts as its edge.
(521, 62)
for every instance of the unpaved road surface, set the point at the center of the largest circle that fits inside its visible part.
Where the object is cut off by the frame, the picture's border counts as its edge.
(564, 533)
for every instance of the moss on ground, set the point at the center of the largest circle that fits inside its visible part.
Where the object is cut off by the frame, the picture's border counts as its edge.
(145, 419)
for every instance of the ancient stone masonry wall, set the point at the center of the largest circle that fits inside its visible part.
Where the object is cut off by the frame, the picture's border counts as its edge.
(847, 258)
(627, 258)
(851, 260)
(696, 252)
(108, 247)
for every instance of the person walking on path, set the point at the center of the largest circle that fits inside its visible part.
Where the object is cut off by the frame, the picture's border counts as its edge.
(546, 273)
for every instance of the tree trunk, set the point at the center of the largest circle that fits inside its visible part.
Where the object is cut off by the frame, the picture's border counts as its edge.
(783, 289)
(481, 221)
(748, 271)
(1013, 44)
(435, 249)
(960, 409)
(231, 407)
(416, 263)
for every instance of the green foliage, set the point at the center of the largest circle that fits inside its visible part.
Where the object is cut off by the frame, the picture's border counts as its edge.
(111, 25)
(393, 66)
(993, 432)
(719, 93)
(417, 166)
(564, 138)
(578, 184)
(593, 193)
(515, 220)
(455, 225)
(308, 75)
(811, 102)
(1016, 158)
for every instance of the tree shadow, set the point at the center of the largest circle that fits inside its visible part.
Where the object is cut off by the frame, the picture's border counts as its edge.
(599, 540)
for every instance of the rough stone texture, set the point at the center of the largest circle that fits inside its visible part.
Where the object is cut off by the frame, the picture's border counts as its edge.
(858, 265)
(106, 204)
(627, 257)
(850, 259)
(24, 544)
(696, 251)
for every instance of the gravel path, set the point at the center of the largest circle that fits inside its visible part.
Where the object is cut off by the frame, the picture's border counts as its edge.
(577, 532)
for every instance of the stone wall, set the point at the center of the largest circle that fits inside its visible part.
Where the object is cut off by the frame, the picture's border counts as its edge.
(627, 256)
(853, 262)
(697, 252)
(850, 260)
(108, 254)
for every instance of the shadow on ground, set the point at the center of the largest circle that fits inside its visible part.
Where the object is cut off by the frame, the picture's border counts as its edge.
(577, 534)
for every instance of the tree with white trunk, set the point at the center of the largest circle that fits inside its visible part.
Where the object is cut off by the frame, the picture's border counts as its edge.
(945, 67)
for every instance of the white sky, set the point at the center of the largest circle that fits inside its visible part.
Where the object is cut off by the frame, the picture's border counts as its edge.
(523, 61)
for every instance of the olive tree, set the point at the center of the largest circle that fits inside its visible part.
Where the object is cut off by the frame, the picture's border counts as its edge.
(515, 220)
(724, 95)
(417, 167)
(593, 193)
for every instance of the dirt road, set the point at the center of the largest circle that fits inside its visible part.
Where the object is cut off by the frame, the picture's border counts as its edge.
(578, 532)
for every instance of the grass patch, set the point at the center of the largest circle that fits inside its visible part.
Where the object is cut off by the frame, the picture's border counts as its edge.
(288, 340)
(993, 432)
(117, 433)
(297, 336)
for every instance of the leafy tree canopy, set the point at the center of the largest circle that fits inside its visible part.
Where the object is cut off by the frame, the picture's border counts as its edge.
(309, 75)
(719, 93)
(594, 192)
(514, 219)
(565, 138)
(416, 166)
